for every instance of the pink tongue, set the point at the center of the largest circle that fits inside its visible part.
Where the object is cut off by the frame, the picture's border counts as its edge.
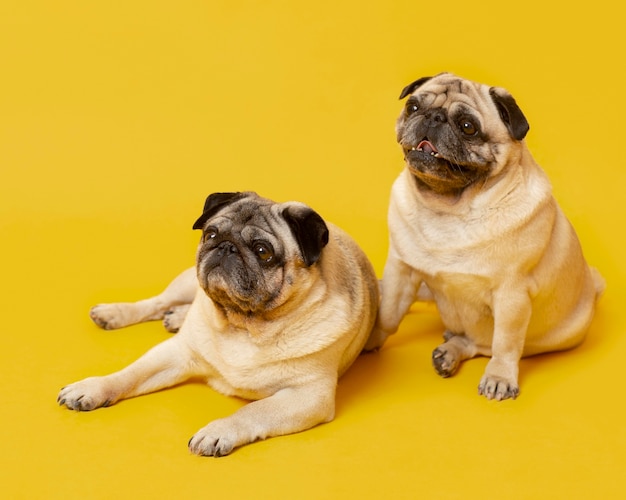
(427, 147)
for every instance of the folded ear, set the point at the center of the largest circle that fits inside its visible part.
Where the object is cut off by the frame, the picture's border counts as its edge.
(214, 203)
(510, 113)
(411, 87)
(309, 230)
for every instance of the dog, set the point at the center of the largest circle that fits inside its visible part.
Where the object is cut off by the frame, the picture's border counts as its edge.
(474, 226)
(279, 305)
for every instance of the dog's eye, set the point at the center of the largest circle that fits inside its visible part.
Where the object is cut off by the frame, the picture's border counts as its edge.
(263, 251)
(467, 127)
(210, 234)
(411, 108)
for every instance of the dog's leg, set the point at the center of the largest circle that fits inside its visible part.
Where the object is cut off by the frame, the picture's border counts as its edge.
(180, 291)
(287, 411)
(449, 355)
(166, 364)
(512, 310)
(399, 290)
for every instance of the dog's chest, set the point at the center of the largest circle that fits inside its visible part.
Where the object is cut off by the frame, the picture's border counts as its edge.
(460, 261)
(475, 241)
(237, 364)
(463, 300)
(243, 367)
(439, 248)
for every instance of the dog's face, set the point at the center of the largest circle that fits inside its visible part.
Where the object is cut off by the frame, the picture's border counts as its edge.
(256, 254)
(455, 132)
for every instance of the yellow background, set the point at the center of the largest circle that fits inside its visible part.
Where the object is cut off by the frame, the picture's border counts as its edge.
(117, 118)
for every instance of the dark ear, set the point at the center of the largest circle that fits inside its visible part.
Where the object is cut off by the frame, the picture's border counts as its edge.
(214, 203)
(510, 113)
(309, 230)
(410, 88)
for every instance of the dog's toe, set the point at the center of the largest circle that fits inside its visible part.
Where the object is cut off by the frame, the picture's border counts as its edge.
(169, 325)
(217, 448)
(174, 318)
(83, 396)
(97, 319)
(444, 362)
(106, 316)
(217, 439)
(210, 446)
(76, 402)
(498, 388)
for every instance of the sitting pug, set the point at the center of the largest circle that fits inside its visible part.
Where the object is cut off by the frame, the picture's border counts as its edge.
(472, 220)
(281, 305)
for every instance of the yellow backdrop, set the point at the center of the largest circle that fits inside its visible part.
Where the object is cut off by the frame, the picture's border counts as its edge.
(117, 118)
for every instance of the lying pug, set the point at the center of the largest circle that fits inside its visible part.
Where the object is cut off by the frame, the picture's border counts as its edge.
(281, 305)
(472, 220)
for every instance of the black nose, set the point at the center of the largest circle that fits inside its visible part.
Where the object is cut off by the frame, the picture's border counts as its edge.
(226, 248)
(435, 117)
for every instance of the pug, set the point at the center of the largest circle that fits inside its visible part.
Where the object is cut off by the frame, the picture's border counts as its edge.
(279, 305)
(474, 226)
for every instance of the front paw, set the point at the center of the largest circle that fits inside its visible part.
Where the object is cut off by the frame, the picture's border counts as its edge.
(445, 361)
(174, 318)
(498, 388)
(85, 395)
(109, 316)
(217, 439)
(500, 379)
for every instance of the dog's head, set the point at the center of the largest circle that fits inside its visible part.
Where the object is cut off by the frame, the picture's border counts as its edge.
(455, 132)
(256, 254)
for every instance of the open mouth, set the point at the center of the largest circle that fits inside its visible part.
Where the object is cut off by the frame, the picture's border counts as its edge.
(441, 174)
(425, 154)
(427, 148)
(426, 159)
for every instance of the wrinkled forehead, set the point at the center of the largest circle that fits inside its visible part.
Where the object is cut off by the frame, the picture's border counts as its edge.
(449, 91)
(251, 219)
